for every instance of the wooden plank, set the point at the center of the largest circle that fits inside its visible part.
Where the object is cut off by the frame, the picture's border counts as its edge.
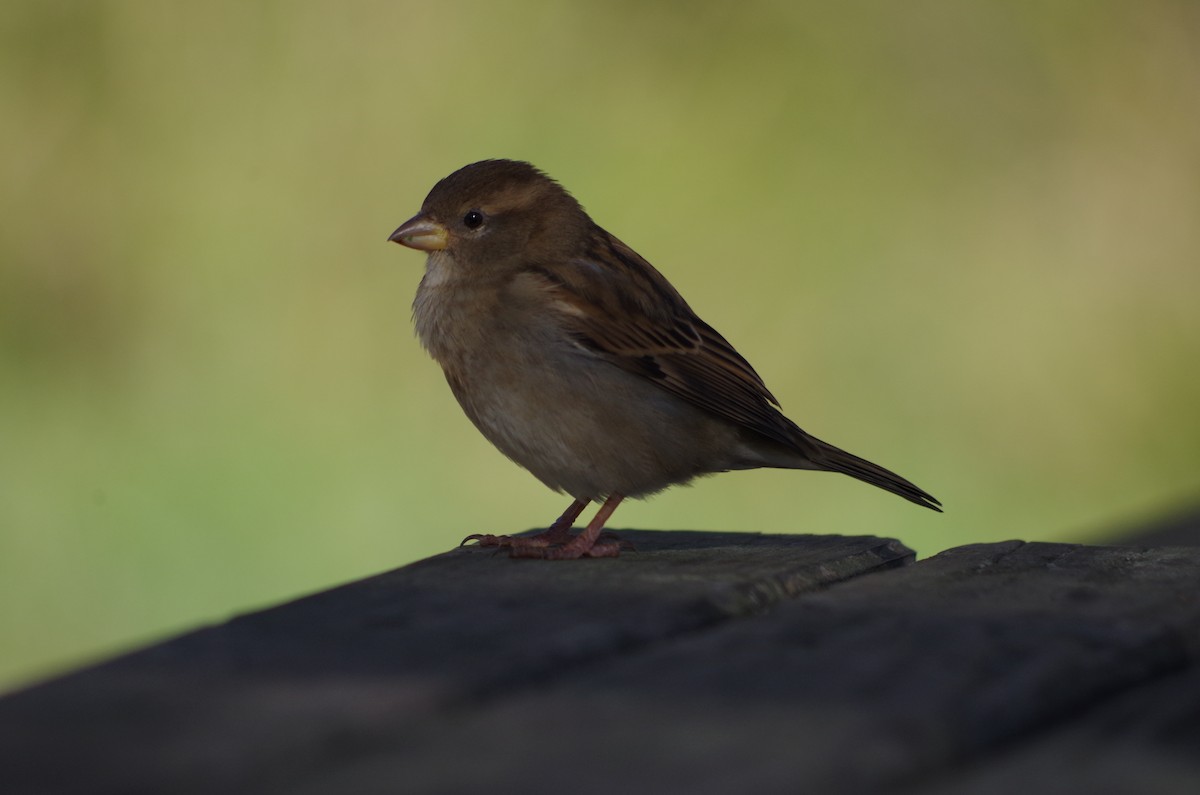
(877, 684)
(273, 699)
(1145, 740)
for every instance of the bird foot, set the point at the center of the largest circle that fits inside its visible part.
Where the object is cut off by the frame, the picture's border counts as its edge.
(544, 539)
(570, 551)
(553, 545)
(557, 543)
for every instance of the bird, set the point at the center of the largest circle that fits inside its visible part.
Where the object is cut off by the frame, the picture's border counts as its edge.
(580, 362)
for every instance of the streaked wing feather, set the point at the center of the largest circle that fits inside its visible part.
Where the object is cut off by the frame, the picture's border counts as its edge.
(639, 322)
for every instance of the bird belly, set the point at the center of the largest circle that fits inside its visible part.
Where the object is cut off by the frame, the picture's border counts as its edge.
(584, 426)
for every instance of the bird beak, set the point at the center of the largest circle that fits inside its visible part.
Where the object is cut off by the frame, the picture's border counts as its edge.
(422, 234)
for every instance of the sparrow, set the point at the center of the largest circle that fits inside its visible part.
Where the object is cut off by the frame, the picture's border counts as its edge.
(580, 362)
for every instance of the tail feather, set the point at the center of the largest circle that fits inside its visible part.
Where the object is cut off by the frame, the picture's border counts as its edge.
(838, 460)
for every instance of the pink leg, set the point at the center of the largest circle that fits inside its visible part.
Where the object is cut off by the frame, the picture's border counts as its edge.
(559, 532)
(586, 544)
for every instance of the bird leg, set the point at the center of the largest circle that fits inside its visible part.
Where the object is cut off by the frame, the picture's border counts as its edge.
(558, 533)
(586, 544)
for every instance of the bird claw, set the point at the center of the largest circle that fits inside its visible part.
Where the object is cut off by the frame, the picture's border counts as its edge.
(485, 540)
(621, 542)
(514, 542)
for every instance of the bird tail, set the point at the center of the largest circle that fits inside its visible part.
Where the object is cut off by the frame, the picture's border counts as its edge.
(837, 460)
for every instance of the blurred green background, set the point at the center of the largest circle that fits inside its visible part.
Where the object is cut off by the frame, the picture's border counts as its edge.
(961, 239)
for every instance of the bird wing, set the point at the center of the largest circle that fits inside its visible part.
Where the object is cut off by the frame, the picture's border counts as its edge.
(614, 304)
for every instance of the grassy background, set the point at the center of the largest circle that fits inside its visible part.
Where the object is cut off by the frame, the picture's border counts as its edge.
(959, 239)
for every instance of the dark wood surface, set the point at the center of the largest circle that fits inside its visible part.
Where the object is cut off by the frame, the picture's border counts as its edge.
(703, 663)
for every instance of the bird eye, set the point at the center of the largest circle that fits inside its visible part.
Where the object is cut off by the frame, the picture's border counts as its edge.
(473, 219)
